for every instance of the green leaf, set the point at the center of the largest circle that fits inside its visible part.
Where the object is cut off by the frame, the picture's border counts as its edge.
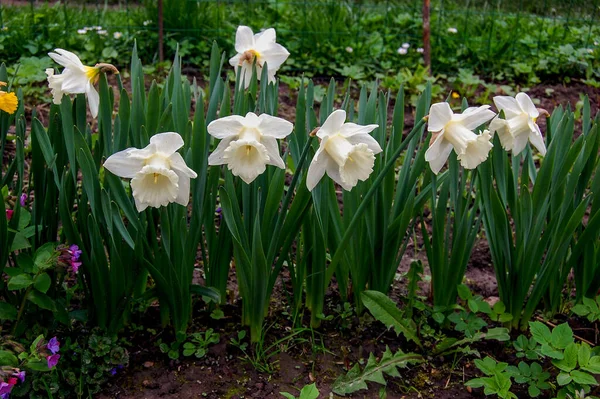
(533, 391)
(584, 354)
(19, 282)
(549, 351)
(499, 334)
(562, 336)
(309, 392)
(7, 311)
(464, 292)
(356, 379)
(42, 300)
(37, 365)
(563, 379)
(8, 359)
(583, 378)
(42, 282)
(581, 310)
(43, 257)
(385, 310)
(540, 332)
(593, 365)
(287, 395)
(569, 360)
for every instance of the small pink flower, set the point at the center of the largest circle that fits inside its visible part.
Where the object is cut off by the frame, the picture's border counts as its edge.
(9, 214)
(23, 199)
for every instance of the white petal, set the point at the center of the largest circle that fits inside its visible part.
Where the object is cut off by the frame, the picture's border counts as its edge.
(235, 61)
(55, 84)
(527, 105)
(274, 55)
(476, 151)
(519, 143)
(333, 171)
(140, 206)
(272, 126)
(332, 124)
(501, 127)
(66, 58)
(437, 153)
(316, 170)
(439, 115)
(350, 129)
(167, 143)
(155, 186)
(475, 117)
(358, 166)
(183, 192)
(246, 159)
(272, 147)
(125, 163)
(93, 99)
(244, 39)
(265, 37)
(509, 105)
(229, 126)
(217, 156)
(74, 81)
(247, 74)
(179, 166)
(366, 139)
(537, 140)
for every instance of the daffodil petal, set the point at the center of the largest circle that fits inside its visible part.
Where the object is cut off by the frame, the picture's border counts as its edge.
(217, 156)
(272, 147)
(439, 115)
(229, 126)
(477, 151)
(476, 117)
(183, 190)
(93, 99)
(167, 143)
(537, 140)
(272, 126)
(437, 154)
(140, 206)
(350, 129)
(366, 139)
(66, 58)
(509, 105)
(274, 55)
(124, 163)
(265, 38)
(244, 39)
(179, 166)
(333, 123)
(527, 105)
(316, 169)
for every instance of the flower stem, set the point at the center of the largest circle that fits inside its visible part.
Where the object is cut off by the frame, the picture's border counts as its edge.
(21, 308)
(340, 251)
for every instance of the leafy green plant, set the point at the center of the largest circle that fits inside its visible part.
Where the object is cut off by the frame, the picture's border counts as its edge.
(497, 380)
(307, 392)
(199, 343)
(589, 308)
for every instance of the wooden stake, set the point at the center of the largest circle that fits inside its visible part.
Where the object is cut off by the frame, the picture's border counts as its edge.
(427, 35)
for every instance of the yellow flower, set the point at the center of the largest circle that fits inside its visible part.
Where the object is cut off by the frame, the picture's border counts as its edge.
(8, 101)
(455, 95)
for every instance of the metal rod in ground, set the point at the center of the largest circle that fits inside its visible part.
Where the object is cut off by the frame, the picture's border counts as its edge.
(427, 35)
(161, 51)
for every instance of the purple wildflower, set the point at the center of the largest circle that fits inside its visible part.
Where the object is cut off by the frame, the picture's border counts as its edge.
(52, 360)
(53, 345)
(5, 388)
(5, 396)
(113, 371)
(75, 252)
(20, 375)
(23, 199)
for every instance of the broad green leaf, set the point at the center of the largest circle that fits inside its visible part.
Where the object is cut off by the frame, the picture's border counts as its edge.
(569, 360)
(42, 300)
(309, 392)
(540, 332)
(7, 311)
(8, 359)
(42, 282)
(385, 310)
(583, 378)
(562, 336)
(19, 282)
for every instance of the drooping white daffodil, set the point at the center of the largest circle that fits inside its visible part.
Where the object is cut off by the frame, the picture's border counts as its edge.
(260, 47)
(520, 124)
(346, 153)
(76, 78)
(158, 173)
(248, 143)
(450, 130)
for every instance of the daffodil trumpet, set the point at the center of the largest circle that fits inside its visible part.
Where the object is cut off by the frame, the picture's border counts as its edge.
(8, 100)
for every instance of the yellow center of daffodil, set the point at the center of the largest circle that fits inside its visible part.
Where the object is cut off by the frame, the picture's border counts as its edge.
(250, 56)
(92, 73)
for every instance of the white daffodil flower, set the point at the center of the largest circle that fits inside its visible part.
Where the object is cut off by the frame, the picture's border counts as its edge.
(520, 124)
(259, 48)
(450, 130)
(347, 152)
(158, 173)
(248, 143)
(76, 78)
